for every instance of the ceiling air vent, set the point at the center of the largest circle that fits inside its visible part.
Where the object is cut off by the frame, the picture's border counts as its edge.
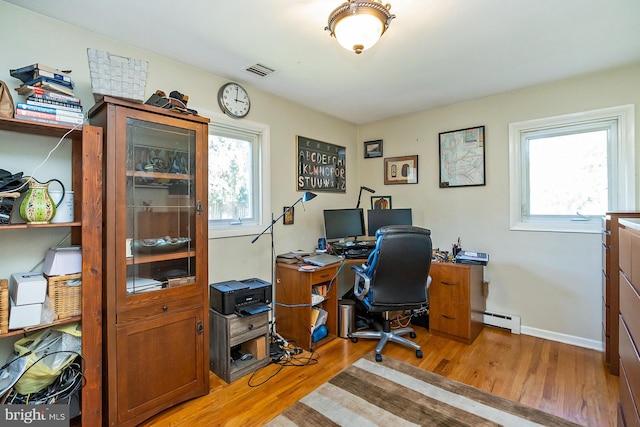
(260, 70)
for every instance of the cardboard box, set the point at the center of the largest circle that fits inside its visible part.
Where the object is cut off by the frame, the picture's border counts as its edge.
(27, 288)
(21, 316)
(257, 347)
(62, 261)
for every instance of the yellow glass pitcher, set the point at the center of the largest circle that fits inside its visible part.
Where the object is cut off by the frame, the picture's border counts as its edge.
(37, 206)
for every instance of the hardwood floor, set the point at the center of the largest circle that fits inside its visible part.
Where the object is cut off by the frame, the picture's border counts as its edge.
(567, 381)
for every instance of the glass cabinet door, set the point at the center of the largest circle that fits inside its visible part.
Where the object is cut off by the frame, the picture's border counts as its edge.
(160, 206)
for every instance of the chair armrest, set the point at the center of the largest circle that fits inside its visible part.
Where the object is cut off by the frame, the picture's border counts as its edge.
(362, 282)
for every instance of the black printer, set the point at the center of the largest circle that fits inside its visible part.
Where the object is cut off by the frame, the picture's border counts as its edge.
(243, 297)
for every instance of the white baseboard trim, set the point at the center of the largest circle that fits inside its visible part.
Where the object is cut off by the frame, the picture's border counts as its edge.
(563, 338)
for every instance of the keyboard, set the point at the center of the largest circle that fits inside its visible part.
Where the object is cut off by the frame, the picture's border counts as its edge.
(355, 252)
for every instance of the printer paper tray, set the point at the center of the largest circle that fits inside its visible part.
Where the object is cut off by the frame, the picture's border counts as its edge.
(250, 310)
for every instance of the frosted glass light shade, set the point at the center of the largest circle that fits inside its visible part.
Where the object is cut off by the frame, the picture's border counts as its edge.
(358, 31)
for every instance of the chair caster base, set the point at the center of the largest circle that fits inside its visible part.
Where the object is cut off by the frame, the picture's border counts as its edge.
(378, 357)
(419, 354)
(412, 334)
(353, 339)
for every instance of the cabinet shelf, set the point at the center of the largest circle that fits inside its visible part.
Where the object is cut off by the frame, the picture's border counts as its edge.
(23, 226)
(31, 329)
(36, 128)
(148, 258)
(160, 175)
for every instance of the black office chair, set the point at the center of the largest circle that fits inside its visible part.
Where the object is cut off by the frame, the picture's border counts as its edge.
(396, 277)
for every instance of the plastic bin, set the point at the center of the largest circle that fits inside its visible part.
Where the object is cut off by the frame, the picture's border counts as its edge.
(346, 318)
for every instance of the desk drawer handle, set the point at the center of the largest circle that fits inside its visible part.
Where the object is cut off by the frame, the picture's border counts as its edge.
(165, 308)
(449, 283)
(324, 275)
(250, 326)
(448, 317)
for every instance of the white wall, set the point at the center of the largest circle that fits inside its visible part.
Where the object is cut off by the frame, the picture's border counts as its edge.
(551, 279)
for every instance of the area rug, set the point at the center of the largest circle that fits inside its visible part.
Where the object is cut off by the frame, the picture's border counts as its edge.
(393, 393)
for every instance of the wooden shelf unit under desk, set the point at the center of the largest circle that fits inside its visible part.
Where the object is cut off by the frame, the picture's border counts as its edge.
(293, 303)
(456, 301)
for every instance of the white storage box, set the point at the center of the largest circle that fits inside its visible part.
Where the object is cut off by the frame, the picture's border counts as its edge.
(27, 288)
(21, 316)
(63, 261)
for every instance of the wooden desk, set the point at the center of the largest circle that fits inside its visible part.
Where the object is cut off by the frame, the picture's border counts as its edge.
(293, 302)
(456, 298)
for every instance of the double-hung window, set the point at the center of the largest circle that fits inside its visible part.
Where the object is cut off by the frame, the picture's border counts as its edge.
(238, 177)
(567, 171)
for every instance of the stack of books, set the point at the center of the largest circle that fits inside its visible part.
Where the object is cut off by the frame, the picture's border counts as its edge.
(49, 96)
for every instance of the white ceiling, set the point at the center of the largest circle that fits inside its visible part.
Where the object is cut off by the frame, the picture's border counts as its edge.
(436, 52)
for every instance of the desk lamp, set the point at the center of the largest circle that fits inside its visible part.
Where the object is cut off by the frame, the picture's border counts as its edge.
(360, 194)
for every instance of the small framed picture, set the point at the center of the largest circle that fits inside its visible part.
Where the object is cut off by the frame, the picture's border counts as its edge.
(401, 170)
(288, 216)
(373, 149)
(380, 202)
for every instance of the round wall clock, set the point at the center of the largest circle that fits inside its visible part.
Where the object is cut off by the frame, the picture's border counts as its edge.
(234, 100)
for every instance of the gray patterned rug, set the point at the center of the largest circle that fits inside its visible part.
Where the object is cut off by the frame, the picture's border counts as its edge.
(393, 393)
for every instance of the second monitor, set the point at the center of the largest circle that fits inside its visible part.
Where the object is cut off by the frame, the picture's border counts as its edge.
(377, 218)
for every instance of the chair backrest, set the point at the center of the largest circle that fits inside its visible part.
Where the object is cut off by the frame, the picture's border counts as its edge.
(399, 268)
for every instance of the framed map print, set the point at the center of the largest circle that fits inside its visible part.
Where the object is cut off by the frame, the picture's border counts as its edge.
(462, 158)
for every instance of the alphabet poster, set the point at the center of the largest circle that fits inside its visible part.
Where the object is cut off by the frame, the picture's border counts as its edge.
(321, 166)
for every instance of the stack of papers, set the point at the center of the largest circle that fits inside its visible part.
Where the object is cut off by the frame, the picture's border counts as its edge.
(136, 285)
(468, 257)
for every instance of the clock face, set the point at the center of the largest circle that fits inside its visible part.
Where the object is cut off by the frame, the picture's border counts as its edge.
(233, 100)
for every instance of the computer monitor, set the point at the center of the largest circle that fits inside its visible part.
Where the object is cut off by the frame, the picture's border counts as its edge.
(343, 223)
(377, 218)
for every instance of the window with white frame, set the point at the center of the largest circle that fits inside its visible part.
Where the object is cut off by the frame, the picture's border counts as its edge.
(567, 171)
(238, 190)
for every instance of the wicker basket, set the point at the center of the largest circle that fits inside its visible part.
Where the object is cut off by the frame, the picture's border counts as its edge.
(117, 76)
(66, 300)
(4, 306)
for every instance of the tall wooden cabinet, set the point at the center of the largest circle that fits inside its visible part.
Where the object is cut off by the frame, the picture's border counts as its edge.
(611, 287)
(85, 230)
(456, 301)
(156, 339)
(629, 322)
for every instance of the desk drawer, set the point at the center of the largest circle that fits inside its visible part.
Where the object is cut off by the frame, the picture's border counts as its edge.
(239, 326)
(630, 308)
(627, 405)
(630, 359)
(452, 285)
(451, 318)
(322, 276)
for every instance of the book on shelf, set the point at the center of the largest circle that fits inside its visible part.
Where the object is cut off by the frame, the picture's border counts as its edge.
(49, 110)
(33, 67)
(46, 121)
(320, 289)
(28, 75)
(20, 113)
(318, 317)
(39, 102)
(43, 93)
(50, 85)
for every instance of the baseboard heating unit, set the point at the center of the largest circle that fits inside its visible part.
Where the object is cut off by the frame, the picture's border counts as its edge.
(504, 321)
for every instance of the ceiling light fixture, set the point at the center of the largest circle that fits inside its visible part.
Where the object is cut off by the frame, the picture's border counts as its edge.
(358, 24)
